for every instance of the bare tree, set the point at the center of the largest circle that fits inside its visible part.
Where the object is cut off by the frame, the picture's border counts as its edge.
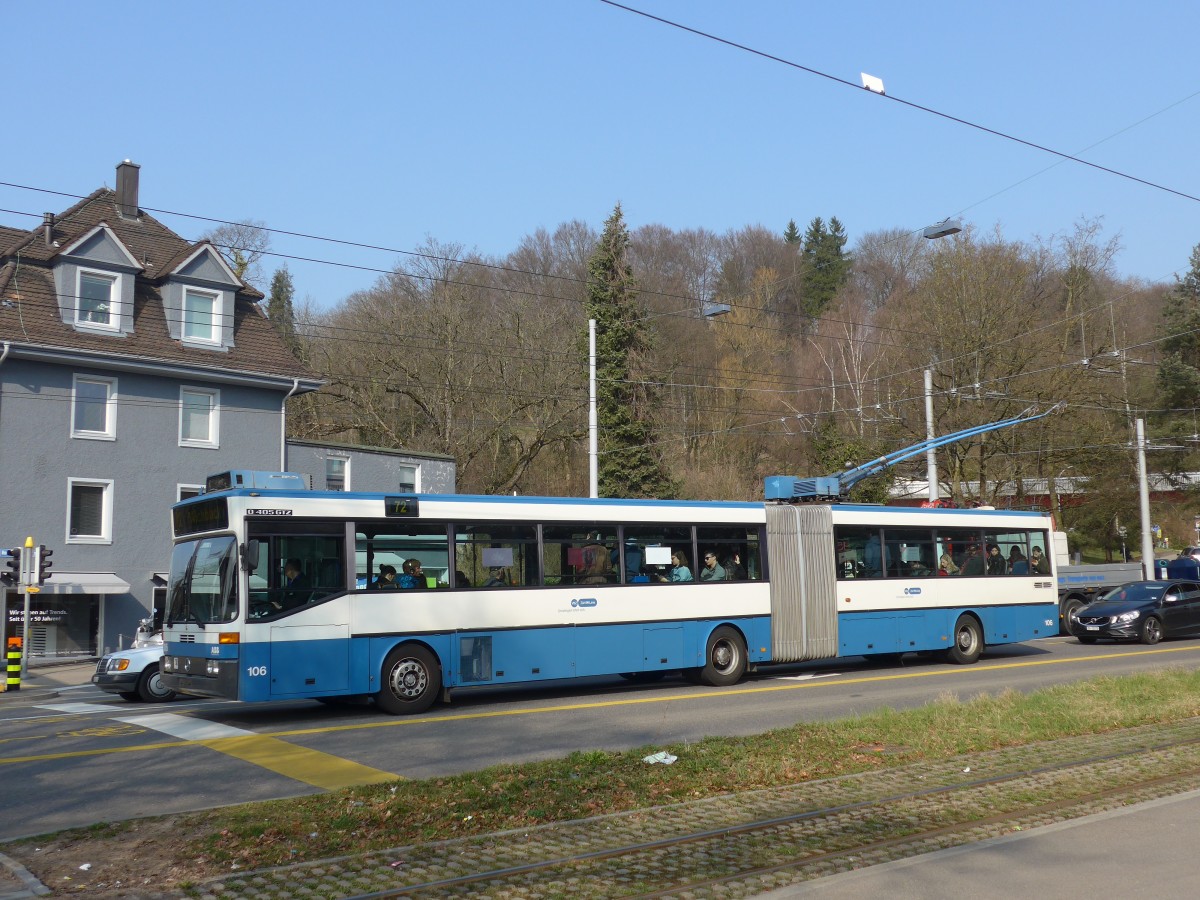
(244, 244)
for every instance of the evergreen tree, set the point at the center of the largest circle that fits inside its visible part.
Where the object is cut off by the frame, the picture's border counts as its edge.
(827, 265)
(1179, 371)
(629, 464)
(279, 305)
(791, 234)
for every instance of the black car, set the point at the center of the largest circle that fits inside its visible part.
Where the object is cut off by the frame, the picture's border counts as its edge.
(1146, 611)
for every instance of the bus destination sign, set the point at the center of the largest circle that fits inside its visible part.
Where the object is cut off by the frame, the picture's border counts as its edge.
(401, 507)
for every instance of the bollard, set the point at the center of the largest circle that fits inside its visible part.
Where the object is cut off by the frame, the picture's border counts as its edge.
(14, 665)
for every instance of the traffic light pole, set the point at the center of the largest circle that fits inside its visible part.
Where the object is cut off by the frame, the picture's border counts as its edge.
(28, 580)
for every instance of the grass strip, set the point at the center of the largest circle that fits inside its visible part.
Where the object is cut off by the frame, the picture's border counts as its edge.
(590, 783)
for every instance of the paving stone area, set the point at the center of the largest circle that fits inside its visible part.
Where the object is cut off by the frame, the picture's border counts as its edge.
(818, 828)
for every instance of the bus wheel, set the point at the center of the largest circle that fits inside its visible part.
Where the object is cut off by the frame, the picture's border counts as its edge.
(724, 659)
(968, 641)
(410, 680)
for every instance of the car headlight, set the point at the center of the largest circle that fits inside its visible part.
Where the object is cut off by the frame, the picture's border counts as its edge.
(118, 665)
(1126, 618)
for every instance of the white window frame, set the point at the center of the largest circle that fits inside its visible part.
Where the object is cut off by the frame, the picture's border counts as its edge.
(345, 461)
(213, 441)
(214, 329)
(416, 489)
(106, 512)
(110, 409)
(194, 489)
(114, 299)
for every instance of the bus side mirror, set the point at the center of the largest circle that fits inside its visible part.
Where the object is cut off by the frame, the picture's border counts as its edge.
(250, 555)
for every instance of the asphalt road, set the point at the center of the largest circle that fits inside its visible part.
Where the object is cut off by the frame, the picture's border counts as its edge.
(87, 757)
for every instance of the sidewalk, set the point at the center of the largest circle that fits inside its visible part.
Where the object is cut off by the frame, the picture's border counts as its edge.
(46, 678)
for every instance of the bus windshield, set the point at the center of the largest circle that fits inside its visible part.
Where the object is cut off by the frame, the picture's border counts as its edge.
(203, 581)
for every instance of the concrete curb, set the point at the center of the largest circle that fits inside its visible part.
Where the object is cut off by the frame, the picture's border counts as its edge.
(33, 887)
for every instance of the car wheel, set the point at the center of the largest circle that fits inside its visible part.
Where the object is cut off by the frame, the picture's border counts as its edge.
(1152, 631)
(411, 679)
(150, 686)
(968, 641)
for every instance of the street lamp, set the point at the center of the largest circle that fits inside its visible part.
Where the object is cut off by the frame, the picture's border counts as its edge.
(710, 310)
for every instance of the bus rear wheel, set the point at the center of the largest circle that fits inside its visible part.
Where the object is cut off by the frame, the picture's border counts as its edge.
(410, 680)
(724, 659)
(968, 641)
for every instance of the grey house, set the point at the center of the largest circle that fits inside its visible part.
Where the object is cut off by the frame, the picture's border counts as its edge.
(350, 467)
(133, 364)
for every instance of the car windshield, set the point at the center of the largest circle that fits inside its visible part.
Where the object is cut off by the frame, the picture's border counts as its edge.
(1138, 592)
(203, 581)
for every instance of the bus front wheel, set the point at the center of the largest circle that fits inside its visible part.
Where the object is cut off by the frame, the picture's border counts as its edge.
(968, 641)
(410, 680)
(724, 659)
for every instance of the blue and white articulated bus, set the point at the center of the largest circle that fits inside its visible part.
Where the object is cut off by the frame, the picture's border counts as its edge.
(281, 592)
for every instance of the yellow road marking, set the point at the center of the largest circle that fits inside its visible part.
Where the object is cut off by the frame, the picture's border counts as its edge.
(628, 701)
(323, 770)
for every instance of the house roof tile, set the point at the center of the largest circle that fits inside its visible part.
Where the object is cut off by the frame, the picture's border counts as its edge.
(30, 314)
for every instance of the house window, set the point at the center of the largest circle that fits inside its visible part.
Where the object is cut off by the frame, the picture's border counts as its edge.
(188, 491)
(94, 408)
(97, 300)
(200, 309)
(408, 480)
(199, 417)
(89, 516)
(337, 472)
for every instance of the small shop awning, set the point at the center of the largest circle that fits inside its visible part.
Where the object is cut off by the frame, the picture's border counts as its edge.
(85, 583)
(160, 579)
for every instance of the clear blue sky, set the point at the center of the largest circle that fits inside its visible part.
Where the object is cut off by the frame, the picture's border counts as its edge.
(478, 121)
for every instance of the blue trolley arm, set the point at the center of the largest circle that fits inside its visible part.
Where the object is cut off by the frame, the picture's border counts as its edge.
(840, 483)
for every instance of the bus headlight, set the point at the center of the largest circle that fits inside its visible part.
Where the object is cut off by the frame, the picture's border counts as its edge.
(213, 667)
(168, 664)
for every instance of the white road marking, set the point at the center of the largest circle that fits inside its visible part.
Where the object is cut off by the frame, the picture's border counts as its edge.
(184, 727)
(75, 707)
(809, 676)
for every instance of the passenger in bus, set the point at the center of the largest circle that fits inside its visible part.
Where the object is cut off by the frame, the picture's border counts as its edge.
(413, 576)
(975, 564)
(296, 589)
(1017, 563)
(734, 570)
(460, 579)
(996, 564)
(497, 577)
(1038, 564)
(596, 566)
(713, 570)
(680, 571)
(386, 580)
(946, 565)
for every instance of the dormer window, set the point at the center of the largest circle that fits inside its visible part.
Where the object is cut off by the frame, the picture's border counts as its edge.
(201, 314)
(98, 300)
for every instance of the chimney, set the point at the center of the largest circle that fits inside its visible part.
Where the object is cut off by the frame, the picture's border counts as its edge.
(48, 228)
(127, 189)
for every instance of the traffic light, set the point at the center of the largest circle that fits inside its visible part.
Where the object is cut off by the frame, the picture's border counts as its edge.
(13, 564)
(43, 563)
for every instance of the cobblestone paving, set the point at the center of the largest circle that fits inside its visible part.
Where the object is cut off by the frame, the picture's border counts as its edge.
(816, 829)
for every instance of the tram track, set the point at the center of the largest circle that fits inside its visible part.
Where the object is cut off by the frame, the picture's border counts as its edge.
(770, 839)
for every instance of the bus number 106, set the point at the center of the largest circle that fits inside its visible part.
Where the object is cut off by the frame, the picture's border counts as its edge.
(256, 671)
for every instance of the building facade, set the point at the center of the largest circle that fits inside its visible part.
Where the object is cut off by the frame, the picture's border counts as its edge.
(349, 467)
(133, 364)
